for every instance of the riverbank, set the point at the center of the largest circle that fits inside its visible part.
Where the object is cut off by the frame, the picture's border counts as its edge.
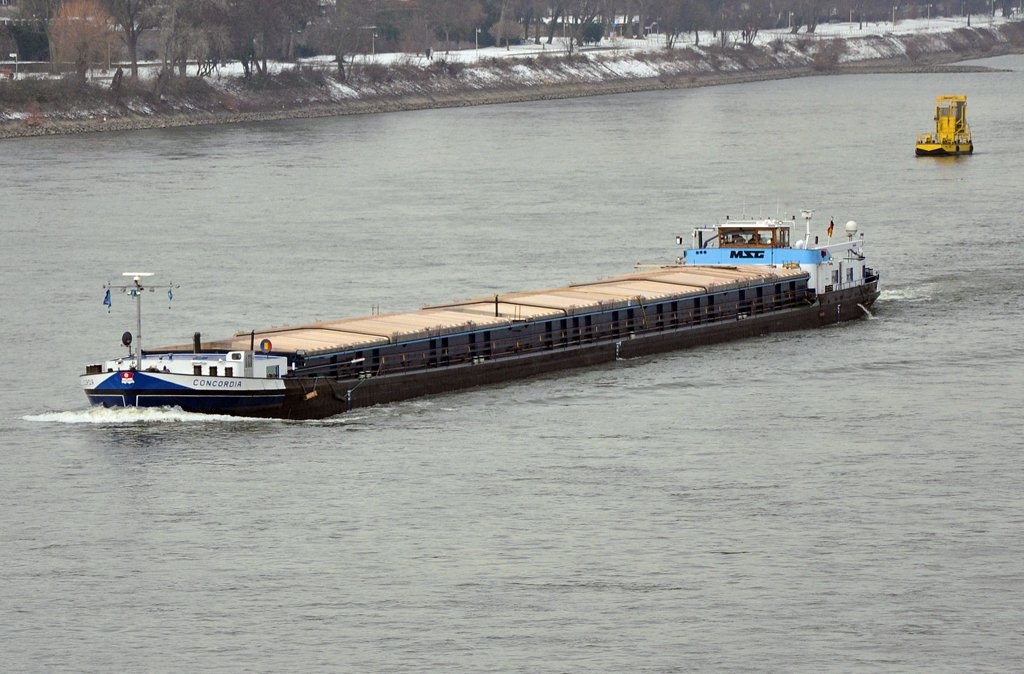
(35, 108)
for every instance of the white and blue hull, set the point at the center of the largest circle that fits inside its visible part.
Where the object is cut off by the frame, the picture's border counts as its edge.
(192, 393)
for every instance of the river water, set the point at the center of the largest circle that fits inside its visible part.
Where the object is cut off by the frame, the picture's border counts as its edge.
(842, 499)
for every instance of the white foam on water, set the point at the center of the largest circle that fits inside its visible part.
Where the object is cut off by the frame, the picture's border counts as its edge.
(134, 415)
(914, 294)
(337, 420)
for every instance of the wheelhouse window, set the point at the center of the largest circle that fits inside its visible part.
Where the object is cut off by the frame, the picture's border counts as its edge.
(754, 237)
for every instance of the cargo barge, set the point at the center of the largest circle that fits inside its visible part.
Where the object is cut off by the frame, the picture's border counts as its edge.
(739, 279)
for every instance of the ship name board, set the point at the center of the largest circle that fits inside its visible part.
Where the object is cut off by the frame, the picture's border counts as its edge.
(217, 383)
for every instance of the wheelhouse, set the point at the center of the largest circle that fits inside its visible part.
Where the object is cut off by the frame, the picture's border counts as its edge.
(750, 236)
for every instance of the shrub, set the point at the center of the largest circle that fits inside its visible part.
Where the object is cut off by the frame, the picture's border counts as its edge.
(292, 77)
(442, 68)
(913, 49)
(593, 32)
(376, 73)
(1013, 33)
(257, 82)
(966, 40)
(190, 87)
(986, 39)
(827, 57)
(62, 92)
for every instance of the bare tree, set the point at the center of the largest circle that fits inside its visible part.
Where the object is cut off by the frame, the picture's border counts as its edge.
(751, 16)
(505, 26)
(210, 42)
(81, 33)
(8, 44)
(176, 35)
(808, 15)
(454, 16)
(723, 20)
(671, 19)
(263, 29)
(525, 11)
(41, 13)
(697, 16)
(583, 13)
(643, 11)
(342, 31)
(557, 12)
(133, 17)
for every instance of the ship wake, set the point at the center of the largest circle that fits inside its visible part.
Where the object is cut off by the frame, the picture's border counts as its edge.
(135, 415)
(922, 293)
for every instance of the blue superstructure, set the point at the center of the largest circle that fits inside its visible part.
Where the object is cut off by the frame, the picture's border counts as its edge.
(776, 256)
(832, 261)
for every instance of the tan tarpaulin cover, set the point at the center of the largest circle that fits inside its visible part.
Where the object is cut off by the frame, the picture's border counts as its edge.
(625, 290)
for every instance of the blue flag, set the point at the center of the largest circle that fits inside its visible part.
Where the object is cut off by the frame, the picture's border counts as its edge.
(106, 300)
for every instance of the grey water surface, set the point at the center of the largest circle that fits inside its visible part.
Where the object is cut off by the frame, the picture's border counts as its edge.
(847, 499)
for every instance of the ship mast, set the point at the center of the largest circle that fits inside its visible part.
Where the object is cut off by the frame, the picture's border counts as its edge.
(807, 213)
(135, 289)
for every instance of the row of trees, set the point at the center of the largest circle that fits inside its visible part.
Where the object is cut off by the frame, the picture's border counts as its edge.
(203, 31)
(208, 32)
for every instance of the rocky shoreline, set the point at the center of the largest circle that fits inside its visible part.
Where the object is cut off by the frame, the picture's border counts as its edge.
(427, 97)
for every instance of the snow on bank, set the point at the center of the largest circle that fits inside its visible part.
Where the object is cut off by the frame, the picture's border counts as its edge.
(392, 81)
(619, 58)
(531, 65)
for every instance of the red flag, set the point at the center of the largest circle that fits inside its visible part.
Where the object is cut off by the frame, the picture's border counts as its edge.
(831, 226)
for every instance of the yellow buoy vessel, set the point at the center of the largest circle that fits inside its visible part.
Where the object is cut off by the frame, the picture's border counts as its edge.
(952, 136)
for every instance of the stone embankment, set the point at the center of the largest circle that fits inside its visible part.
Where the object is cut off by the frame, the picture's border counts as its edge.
(304, 93)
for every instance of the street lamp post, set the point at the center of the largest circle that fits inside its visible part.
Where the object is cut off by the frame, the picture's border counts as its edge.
(373, 40)
(476, 40)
